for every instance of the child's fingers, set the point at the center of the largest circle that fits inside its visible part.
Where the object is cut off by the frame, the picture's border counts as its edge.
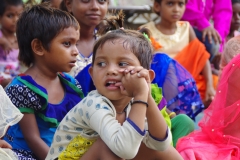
(144, 74)
(131, 69)
(4, 144)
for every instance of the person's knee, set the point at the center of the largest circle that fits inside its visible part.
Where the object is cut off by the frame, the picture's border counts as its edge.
(184, 121)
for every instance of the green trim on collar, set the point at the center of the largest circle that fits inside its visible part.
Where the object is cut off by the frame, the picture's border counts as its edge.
(73, 86)
(53, 121)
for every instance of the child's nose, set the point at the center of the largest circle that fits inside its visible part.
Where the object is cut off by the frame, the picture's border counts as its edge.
(95, 5)
(112, 70)
(75, 51)
(176, 8)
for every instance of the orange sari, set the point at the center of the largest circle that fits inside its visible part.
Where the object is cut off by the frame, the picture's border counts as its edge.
(194, 57)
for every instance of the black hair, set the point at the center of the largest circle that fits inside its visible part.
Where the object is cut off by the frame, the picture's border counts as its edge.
(111, 30)
(43, 23)
(235, 1)
(5, 3)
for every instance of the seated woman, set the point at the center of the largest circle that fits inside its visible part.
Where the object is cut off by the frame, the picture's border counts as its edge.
(219, 136)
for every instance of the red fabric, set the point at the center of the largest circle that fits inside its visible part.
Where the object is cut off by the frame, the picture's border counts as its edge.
(219, 137)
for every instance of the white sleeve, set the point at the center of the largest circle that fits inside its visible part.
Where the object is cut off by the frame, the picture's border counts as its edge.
(123, 140)
(157, 144)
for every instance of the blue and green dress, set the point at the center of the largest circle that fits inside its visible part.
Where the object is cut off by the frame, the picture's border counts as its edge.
(30, 97)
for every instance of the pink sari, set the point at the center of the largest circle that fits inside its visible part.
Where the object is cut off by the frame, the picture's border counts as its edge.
(219, 137)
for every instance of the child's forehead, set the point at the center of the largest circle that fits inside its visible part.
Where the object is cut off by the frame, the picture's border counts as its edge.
(14, 8)
(115, 48)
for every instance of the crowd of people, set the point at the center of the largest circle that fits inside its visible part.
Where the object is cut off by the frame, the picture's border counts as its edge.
(78, 84)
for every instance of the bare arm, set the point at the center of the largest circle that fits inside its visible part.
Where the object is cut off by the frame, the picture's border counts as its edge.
(210, 92)
(31, 134)
(192, 34)
(156, 123)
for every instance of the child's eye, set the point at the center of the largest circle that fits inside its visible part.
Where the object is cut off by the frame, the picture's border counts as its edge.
(67, 44)
(102, 1)
(10, 16)
(181, 4)
(101, 64)
(85, 1)
(170, 3)
(123, 64)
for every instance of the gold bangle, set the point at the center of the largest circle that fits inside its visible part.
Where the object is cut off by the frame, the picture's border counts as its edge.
(172, 114)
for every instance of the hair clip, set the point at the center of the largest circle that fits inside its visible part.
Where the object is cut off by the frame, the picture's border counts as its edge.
(146, 36)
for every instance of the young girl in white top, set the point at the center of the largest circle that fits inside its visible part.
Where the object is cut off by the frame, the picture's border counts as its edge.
(121, 114)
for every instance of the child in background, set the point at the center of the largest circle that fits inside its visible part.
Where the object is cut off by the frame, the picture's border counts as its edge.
(115, 113)
(219, 136)
(9, 64)
(235, 23)
(88, 14)
(199, 13)
(178, 40)
(47, 40)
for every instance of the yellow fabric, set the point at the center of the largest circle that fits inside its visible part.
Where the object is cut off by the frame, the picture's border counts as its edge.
(171, 44)
(76, 148)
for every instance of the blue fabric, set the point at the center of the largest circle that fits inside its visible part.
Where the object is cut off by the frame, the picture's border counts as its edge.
(14, 135)
(179, 87)
(181, 94)
(85, 80)
(30, 97)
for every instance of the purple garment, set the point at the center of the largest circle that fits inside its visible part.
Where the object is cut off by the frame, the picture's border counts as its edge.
(199, 13)
(10, 60)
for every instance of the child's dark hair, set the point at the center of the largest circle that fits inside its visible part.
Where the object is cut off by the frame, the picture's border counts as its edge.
(43, 23)
(5, 3)
(112, 31)
(235, 1)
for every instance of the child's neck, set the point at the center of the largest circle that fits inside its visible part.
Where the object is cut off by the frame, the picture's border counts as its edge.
(87, 40)
(167, 28)
(10, 37)
(120, 105)
(8, 34)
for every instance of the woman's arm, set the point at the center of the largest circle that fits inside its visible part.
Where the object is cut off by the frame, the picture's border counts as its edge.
(31, 134)
(210, 92)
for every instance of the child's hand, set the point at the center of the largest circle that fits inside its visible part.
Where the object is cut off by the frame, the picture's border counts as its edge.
(140, 71)
(211, 33)
(132, 85)
(4, 144)
(210, 93)
(6, 46)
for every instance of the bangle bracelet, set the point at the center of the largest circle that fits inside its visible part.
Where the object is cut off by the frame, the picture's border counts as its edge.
(139, 101)
(172, 114)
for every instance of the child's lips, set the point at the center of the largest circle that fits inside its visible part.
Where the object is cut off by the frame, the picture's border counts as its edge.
(175, 16)
(72, 63)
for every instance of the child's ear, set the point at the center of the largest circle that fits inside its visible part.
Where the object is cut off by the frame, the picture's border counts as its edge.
(37, 47)
(68, 5)
(151, 74)
(90, 71)
(157, 7)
